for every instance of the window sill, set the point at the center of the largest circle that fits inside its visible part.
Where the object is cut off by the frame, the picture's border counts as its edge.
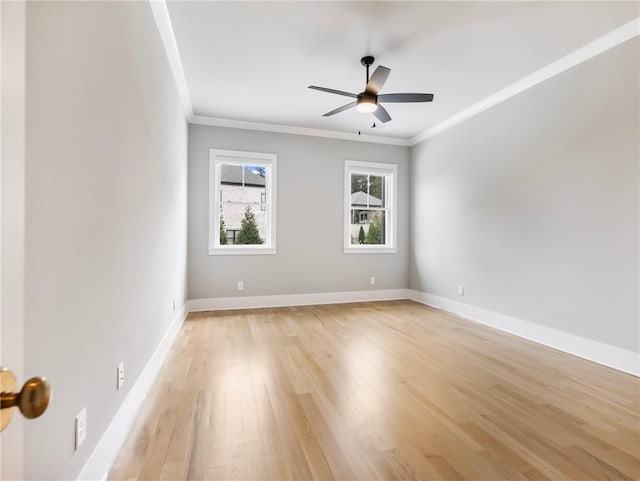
(241, 251)
(369, 250)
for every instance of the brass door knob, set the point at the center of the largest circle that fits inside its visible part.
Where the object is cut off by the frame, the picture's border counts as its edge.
(32, 400)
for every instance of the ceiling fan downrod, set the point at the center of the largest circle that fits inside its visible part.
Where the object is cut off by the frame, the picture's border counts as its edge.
(367, 62)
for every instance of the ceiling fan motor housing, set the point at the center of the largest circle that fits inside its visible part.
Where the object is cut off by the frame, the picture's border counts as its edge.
(366, 102)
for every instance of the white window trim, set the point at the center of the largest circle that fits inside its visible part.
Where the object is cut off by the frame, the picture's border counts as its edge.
(356, 166)
(216, 158)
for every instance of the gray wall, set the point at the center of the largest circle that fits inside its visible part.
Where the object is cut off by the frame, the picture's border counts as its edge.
(106, 182)
(533, 205)
(310, 255)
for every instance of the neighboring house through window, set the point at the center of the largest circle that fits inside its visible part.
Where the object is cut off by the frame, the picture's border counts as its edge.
(370, 207)
(242, 201)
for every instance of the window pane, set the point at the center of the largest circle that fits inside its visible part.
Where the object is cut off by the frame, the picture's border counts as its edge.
(255, 170)
(249, 222)
(367, 226)
(242, 183)
(376, 191)
(358, 183)
(367, 191)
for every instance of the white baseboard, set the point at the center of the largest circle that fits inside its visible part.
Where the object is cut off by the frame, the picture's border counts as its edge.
(99, 463)
(605, 354)
(225, 303)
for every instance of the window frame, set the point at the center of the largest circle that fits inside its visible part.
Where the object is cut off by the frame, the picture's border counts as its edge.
(217, 157)
(390, 171)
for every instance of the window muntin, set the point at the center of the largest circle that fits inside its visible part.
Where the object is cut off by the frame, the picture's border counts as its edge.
(242, 202)
(370, 190)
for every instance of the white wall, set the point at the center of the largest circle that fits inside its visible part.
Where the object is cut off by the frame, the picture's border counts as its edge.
(106, 183)
(533, 205)
(310, 257)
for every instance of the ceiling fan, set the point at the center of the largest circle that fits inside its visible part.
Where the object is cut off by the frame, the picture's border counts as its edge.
(369, 100)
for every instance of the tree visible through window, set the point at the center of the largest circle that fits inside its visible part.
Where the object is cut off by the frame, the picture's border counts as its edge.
(249, 233)
(223, 232)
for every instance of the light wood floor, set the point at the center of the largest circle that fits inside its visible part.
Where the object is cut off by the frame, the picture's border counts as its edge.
(388, 390)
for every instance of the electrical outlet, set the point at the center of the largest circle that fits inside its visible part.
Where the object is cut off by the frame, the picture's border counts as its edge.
(173, 304)
(120, 375)
(240, 286)
(461, 290)
(372, 280)
(81, 427)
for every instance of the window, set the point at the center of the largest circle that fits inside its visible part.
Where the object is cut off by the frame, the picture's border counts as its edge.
(242, 198)
(370, 207)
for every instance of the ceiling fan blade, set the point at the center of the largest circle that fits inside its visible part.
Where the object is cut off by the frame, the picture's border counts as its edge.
(340, 109)
(382, 114)
(377, 80)
(405, 98)
(333, 91)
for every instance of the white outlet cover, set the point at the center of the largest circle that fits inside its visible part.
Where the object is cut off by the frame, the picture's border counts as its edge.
(81, 427)
(372, 280)
(120, 375)
(240, 285)
(461, 290)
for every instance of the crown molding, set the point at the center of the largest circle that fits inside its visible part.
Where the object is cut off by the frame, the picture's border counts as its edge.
(163, 21)
(602, 44)
(290, 129)
(606, 42)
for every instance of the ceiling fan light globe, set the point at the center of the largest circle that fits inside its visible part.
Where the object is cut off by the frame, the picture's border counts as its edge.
(366, 106)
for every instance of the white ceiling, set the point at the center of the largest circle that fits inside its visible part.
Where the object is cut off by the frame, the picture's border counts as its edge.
(253, 61)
